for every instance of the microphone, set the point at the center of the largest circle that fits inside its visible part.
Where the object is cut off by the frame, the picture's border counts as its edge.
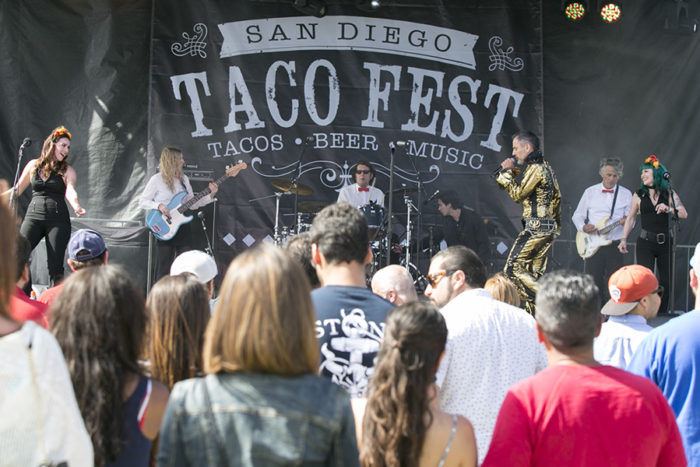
(309, 139)
(667, 175)
(432, 197)
(501, 169)
(396, 144)
(26, 143)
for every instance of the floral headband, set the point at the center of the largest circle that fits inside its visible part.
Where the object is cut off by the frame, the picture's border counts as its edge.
(60, 132)
(651, 160)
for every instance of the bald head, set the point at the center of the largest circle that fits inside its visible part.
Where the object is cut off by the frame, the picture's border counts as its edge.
(395, 284)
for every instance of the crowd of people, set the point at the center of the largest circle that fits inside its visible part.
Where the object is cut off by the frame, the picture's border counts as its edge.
(304, 360)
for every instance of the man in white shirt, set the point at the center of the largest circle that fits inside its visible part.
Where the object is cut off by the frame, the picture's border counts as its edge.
(601, 205)
(635, 298)
(490, 345)
(361, 192)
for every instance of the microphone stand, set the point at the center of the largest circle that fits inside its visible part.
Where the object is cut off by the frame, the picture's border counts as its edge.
(295, 186)
(13, 203)
(673, 217)
(419, 212)
(209, 250)
(387, 240)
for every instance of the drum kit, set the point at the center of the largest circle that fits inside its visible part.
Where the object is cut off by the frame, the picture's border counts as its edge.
(397, 247)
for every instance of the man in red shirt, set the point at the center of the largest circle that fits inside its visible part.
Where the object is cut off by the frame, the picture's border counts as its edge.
(578, 412)
(22, 308)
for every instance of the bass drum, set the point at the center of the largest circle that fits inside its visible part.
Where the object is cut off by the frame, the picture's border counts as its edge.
(374, 214)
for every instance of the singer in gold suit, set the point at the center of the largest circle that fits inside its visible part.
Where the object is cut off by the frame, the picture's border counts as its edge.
(529, 180)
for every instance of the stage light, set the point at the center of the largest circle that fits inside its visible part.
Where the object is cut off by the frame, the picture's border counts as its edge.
(610, 12)
(315, 8)
(574, 11)
(367, 5)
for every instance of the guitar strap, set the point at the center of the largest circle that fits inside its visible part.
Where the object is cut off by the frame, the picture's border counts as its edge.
(612, 210)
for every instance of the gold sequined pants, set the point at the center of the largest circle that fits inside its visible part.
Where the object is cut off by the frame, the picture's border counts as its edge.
(527, 262)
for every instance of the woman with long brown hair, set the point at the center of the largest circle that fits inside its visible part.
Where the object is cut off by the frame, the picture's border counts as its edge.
(262, 402)
(40, 422)
(179, 310)
(403, 424)
(53, 182)
(100, 320)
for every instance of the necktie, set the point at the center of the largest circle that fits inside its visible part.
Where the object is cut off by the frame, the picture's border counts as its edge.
(608, 191)
(362, 189)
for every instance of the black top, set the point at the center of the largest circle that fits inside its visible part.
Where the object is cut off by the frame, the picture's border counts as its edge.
(54, 186)
(651, 221)
(48, 198)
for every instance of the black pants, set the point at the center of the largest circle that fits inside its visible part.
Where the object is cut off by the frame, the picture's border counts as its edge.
(647, 252)
(168, 250)
(57, 234)
(602, 264)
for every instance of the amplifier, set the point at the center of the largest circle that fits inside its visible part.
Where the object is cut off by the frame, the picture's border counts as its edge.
(199, 175)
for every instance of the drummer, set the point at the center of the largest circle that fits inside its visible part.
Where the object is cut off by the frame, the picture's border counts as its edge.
(363, 191)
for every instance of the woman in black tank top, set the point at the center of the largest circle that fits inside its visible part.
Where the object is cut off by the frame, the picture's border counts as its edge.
(653, 202)
(52, 181)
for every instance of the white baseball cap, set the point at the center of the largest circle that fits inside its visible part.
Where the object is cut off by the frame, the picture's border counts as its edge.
(195, 262)
(695, 260)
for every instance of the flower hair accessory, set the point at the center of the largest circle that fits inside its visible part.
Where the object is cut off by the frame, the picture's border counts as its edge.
(60, 132)
(652, 160)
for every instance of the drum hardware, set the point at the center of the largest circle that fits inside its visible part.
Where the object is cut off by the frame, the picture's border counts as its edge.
(278, 237)
(312, 206)
(287, 185)
(409, 207)
(404, 190)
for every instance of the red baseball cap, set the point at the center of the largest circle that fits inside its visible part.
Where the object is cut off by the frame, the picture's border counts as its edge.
(627, 286)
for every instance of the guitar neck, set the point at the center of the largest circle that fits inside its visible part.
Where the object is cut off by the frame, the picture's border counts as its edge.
(607, 229)
(185, 206)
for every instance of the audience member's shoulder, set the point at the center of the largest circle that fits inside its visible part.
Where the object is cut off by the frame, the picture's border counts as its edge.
(48, 295)
(642, 385)
(514, 313)
(683, 325)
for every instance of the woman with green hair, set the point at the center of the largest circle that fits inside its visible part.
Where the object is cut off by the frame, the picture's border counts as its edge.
(656, 203)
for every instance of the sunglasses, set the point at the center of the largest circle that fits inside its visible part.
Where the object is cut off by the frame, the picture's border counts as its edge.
(362, 171)
(433, 279)
(659, 290)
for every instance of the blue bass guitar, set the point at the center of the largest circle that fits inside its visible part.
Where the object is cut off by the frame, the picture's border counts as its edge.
(165, 228)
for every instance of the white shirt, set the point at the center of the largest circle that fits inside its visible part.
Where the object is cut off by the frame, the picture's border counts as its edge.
(157, 192)
(595, 205)
(357, 198)
(65, 436)
(490, 346)
(619, 338)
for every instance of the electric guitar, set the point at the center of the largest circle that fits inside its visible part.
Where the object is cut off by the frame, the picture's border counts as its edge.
(588, 244)
(165, 228)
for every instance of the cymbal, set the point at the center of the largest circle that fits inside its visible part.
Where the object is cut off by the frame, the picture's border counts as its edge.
(285, 184)
(404, 190)
(311, 206)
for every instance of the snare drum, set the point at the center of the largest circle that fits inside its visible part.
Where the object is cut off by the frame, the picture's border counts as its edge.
(374, 214)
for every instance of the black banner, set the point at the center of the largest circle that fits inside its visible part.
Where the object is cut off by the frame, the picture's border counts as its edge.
(291, 94)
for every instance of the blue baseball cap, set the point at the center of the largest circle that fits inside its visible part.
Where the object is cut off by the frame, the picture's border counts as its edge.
(85, 244)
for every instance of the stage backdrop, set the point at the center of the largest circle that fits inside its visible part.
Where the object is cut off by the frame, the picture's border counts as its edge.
(293, 95)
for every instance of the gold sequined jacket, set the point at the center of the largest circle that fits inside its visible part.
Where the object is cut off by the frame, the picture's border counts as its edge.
(538, 192)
